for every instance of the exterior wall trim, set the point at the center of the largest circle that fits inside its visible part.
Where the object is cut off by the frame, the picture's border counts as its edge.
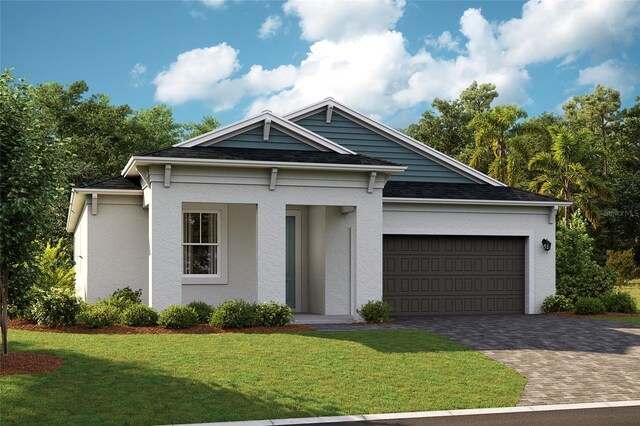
(393, 200)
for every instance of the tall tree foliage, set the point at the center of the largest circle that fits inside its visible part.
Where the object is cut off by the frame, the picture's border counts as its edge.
(31, 177)
(566, 172)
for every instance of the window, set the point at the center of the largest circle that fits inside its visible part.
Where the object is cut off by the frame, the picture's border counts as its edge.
(200, 243)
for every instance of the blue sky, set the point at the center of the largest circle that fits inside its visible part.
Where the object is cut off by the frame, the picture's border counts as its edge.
(386, 58)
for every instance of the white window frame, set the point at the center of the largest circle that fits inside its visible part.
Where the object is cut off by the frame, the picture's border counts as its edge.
(221, 211)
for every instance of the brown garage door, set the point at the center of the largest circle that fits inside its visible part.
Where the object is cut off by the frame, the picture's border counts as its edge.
(453, 275)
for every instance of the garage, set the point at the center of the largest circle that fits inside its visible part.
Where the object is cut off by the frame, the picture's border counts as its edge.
(453, 275)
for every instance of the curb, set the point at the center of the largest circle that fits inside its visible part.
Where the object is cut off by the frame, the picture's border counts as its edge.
(420, 414)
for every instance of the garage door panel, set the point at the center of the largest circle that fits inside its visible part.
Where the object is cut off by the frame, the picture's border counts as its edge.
(444, 275)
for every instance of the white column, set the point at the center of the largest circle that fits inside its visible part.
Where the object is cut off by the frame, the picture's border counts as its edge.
(270, 251)
(368, 251)
(165, 249)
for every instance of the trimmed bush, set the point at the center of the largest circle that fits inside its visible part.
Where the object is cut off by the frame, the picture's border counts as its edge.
(557, 303)
(202, 309)
(178, 317)
(55, 307)
(375, 311)
(619, 302)
(139, 315)
(98, 315)
(590, 306)
(122, 298)
(272, 314)
(234, 314)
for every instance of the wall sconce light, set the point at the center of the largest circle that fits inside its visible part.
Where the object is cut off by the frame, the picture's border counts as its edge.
(546, 245)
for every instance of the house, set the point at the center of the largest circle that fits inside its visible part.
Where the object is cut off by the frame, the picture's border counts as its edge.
(324, 209)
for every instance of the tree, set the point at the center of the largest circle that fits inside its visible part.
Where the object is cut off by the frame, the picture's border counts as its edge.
(598, 113)
(493, 153)
(192, 129)
(566, 173)
(478, 97)
(31, 177)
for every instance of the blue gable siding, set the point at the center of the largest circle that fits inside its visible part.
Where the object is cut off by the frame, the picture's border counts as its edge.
(366, 142)
(253, 139)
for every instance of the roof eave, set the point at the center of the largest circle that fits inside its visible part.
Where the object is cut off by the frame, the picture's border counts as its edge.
(78, 196)
(406, 200)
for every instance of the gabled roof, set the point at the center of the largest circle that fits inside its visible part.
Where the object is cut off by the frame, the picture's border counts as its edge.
(115, 182)
(288, 127)
(395, 136)
(399, 191)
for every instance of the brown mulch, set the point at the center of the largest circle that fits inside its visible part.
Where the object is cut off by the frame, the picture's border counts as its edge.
(608, 314)
(20, 363)
(123, 329)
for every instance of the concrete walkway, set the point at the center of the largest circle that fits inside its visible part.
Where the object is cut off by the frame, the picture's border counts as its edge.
(567, 360)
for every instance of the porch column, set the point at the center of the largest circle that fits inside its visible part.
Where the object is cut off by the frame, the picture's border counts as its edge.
(368, 252)
(270, 251)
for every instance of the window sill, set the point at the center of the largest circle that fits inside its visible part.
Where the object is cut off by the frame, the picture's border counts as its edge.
(204, 280)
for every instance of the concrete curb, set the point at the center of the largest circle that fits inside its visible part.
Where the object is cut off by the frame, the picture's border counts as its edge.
(420, 414)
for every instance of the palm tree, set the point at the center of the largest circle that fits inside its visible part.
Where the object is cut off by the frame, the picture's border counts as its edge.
(565, 173)
(493, 149)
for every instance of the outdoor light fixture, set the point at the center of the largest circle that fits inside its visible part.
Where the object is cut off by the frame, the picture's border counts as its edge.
(546, 245)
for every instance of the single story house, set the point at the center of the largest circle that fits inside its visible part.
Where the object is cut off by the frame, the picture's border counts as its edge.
(323, 209)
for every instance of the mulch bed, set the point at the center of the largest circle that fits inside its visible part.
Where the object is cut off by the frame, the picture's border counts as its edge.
(123, 329)
(20, 363)
(608, 314)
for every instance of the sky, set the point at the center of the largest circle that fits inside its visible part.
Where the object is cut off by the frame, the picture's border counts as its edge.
(385, 58)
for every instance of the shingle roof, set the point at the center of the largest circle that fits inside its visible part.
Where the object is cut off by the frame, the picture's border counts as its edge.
(459, 191)
(275, 155)
(115, 182)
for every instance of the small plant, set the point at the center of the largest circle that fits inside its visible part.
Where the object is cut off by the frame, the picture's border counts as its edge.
(557, 303)
(178, 317)
(122, 298)
(272, 314)
(619, 302)
(139, 315)
(55, 268)
(55, 307)
(234, 314)
(98, 315)
(375, 311)
(590, 306)
(202, 309)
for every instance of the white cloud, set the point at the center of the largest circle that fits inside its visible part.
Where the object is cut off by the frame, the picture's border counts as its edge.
(137, 74)
(358, 57)
(270, 26)
(340, 19)
(612, 74)
(214, 4)
(195, 73)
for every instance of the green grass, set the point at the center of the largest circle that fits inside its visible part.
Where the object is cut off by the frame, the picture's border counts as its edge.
(161, 379)
(624, 320)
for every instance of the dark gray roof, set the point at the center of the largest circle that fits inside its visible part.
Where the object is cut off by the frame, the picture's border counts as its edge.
(459, 191)
(276, 155)
(116, 182)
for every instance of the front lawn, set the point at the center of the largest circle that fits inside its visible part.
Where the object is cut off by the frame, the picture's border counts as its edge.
(626, 320)
(176, 378)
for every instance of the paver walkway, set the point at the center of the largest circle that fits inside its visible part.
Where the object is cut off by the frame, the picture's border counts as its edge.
(567, 360)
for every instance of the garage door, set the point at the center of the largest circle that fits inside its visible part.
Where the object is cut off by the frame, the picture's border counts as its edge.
(453, 275)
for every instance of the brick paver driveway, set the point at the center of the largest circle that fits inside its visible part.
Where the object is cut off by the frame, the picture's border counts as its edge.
(566, 360)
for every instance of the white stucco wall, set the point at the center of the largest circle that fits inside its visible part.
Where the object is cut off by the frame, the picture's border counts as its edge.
(251, 186)
(529, 222)
(338, 259)
(117, 246)
(81, 253)
(317, 248)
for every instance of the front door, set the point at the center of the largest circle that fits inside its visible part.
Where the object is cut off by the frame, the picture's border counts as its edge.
(291, 262)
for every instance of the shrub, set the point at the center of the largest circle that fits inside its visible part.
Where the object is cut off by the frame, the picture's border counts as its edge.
(590, 306)
(55, 268)
(375, 311)
(139, 315)
(234, 314)
(202, 309)
(177, 317)
(98, 315)
(123, 298)
(272, 314)
(619, 302)
(578, 275)
(557, 303)
(55, 307)
(622, 262)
